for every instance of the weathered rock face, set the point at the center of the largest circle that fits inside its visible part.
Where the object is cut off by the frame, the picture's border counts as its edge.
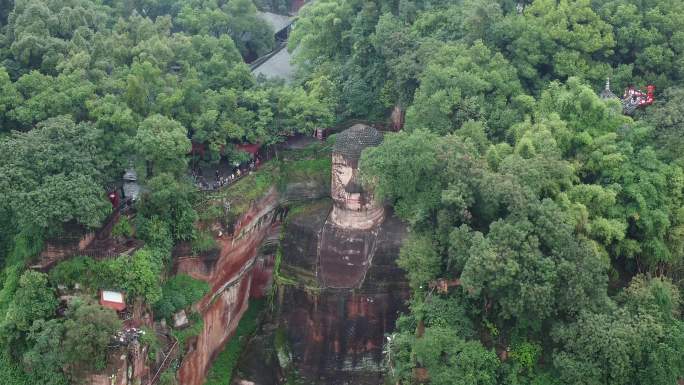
(345, 289)
(341, 290)
(239, 269)
(353, 206)
(336, 334)
(220, 321)
(398, 117)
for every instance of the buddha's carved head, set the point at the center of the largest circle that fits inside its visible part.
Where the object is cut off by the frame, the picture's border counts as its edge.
(346, 189)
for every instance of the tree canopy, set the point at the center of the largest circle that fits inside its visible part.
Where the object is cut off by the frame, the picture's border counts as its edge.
(546, 204)
(88, 90)
(557, 219)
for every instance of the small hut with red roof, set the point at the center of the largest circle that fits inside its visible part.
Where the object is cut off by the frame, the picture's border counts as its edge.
(112, 300)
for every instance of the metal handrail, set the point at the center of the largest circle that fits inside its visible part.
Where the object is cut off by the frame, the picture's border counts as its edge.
(162, 367)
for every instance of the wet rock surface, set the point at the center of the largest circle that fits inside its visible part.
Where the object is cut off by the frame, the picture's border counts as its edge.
(239, 271)
(259, 362)
(336, 334)
(340, 291)
(331, 336)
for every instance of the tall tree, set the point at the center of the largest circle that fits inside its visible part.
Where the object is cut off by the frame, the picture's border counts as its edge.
(462, 83)
(163, 143)
(53, 174)
(88, 330)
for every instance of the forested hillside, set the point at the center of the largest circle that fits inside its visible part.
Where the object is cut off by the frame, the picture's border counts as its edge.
(89, 88)
(547, 227)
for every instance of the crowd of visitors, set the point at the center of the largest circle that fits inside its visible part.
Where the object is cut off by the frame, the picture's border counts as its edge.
(225, 178)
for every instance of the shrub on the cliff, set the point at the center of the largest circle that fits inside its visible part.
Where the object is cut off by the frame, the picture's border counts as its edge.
(122, 228)
(243, 192)
(10, 372)
(150, 339)
(155, 232)
(221, 371)
(88, 330)
(168, 378)
(306, 170)
(202, 241)
(136, 275)
(447, 356)
(178, 293)
(82, 270)
(197, 324)
(171, 201)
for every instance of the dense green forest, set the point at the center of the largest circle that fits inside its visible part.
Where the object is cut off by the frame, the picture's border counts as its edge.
(89, 88)
(556, 222)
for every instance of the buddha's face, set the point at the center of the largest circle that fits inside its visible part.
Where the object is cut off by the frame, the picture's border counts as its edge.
(354, 206)
(342, 174)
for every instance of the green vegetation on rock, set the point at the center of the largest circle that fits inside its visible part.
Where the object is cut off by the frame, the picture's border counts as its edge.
(540, 202)
(558, 220)
(178, 293)
(195, 328)
(223, 367)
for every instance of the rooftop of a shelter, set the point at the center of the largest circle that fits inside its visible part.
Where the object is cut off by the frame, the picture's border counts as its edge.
(112, 300)
(276, 21)
(277, 66)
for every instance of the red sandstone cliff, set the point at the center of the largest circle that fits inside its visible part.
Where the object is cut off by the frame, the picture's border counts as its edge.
(335, 333)
(240, 271)
(345, 290)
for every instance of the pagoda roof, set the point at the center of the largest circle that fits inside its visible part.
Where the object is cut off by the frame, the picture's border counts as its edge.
(607, 93)
(130, 175)
(276, 66)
